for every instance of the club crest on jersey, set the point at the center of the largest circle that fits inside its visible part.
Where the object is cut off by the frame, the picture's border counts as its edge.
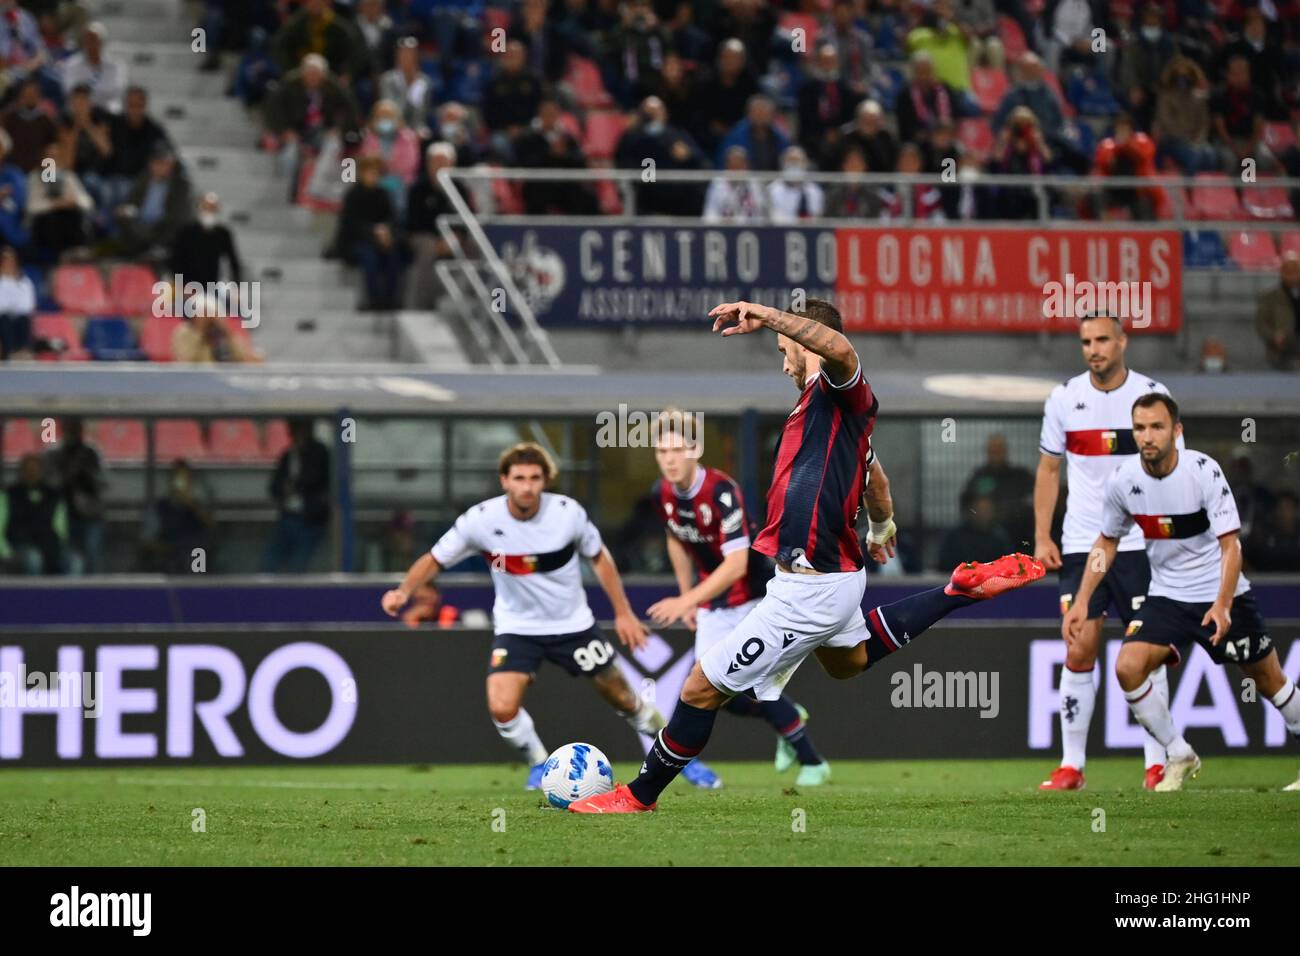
(1110, 441)
(1166, 525)
(1066, 601)
(1133, 628)
(499, 656)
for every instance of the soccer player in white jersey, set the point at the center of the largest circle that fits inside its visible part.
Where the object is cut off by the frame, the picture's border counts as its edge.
(533, 538)
(1086, 422)
(1180, 502)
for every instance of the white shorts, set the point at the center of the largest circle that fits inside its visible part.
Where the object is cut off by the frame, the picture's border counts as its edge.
(713, 624)
(800, 613)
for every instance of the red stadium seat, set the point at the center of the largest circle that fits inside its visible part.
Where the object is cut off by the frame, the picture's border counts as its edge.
(80, 289)
(611, 200)
(120, 439)
(156, 337)
(1213, 197)
(603, 132)
(977, 136)
(178, 438)
(1290, 243)
(571, 125)
(588, 86)
(1279, 136)
(988, 86)
(130, 288)
(19, 438)
(1013, 38)
(509, 196)
(1266, 202)
(234, 439)
(56, 325)
(807, 22)
(1253, 251)
(276, 439)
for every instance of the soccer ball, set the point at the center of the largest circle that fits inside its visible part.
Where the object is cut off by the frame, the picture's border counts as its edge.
(576, 771)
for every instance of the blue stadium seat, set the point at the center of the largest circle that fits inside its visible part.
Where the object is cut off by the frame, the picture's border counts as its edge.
(1205, 250)
(468, 77)
(887, 91)
(110, 339)
(1089, 92)
(44, 300)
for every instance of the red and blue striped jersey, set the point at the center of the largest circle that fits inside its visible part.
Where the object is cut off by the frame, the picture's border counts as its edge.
(709, 519)
(821, 470)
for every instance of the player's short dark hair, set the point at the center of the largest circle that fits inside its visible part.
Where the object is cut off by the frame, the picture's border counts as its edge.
(675, 421)
(1119, 323)
(528, 453)
(1152, 399)
(819, 310)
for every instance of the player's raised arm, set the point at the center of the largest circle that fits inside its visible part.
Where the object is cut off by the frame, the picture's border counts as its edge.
(879, 502)
(424, 570)
(839, 360)
(629, 628)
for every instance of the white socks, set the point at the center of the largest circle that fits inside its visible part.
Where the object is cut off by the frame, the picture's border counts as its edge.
(1152, 712)
(522, 735)
(646, 719)
(1078, 696)
(1153, 749)
(1287, 702)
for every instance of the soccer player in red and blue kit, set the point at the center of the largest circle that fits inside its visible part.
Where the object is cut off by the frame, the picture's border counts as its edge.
(708, 534)
(824, 473)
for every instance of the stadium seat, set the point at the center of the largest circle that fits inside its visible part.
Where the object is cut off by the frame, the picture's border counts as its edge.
(44, 301)
(1266, 202)
(1204, 250)
(1290, 243)
(976, 135)
(234, 439)
(156, 337)
(178, 438)
(1279, 136)
(1090, 93)
(465, 85)
(80, 289)
(57, 325)
(988, 86)
(275, 439)
(789, 22)
(1253, 251)
(495, 18)
(120, 439)
(603, 131)
(611, 200)
(110, 339)
(509, 197)
(1013, 38)
(19, 438)
(572, 125)
(588, 86)
(1213, 197)
(893, 81)
(130, 289)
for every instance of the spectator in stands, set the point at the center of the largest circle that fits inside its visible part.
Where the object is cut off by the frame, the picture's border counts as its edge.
(547, 45)
(203, 244)
(1031, 90)
(134, 136)
(581, 23)
(852, 200)
(36, 520)
(204, 337)
(30, 126)
(925, 102)
(737, 199)
(753, 22)
(794, 196)
(869, 135)
(13, 198)
(308, 107)
(77, 471)
(59, 207)
(1277, 316)
(724, 95)
(23, 53)
(160, 202)
(1269, 70)
(978, 20)
(1238, 114)
(1275, 546)
(378, 35)
(546, 144)
(764, 142)
(1182, 118)
(367, 236)
(1254, 499)
(316, 28)
(1128, 153)
(257, 70)
(17, 305)
(1066, 32)
(105, 75)
(1143, 61)
(300, 488)
(669, 148)
(1289, 159)
(1010, 487)
(397, 145)
(1021, 150)
(510, 101)
(694, 43)
(424, 204)
(680, 92)
(853, 46)
(927, 201)
(941, 156)
(86, 129)
(409, 86)
(455, 124)
(979, 537)
(825, 104)
(944, 41)
(178, 524)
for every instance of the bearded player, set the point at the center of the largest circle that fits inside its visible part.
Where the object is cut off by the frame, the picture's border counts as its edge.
(708, 535)
(533, 539)
(814, 603)
(1180, 502)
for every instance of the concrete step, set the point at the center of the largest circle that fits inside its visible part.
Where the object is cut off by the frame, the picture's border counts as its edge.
(273, 248)
(173, 108)
(310, 272)
(241, 191)
(163, 56)
(169, 10)
(233, 160)
(167, 28)
(180, 81)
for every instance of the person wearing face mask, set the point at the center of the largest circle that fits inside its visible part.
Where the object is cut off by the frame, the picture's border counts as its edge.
(1142, 63)
(397, 145)
(793, 196)
(670, 148)
(1182, 119)
(30, 127)
(203, 244)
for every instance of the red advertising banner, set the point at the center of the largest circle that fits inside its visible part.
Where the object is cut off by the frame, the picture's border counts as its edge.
(1007, 280)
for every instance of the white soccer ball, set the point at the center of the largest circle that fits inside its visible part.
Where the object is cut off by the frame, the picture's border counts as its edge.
(576, 771)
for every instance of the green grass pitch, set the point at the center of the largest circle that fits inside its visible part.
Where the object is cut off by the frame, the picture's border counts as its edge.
(881, 812)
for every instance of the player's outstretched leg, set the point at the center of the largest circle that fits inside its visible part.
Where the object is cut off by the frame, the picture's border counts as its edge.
(790, 721)
(1133, 669)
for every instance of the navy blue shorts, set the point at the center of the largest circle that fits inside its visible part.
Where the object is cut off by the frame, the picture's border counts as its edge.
(1162, 620)
(584, 654)
(1125, 584)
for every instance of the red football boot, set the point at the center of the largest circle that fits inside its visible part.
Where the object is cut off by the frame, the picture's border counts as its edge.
(1064, 778)
(1155, 773)
(618, 800)
(978, 580)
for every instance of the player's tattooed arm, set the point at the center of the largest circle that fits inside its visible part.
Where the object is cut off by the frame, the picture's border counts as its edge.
(424, 570)
(839, 359)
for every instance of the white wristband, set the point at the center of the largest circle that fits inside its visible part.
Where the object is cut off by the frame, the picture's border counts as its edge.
(881, 531)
